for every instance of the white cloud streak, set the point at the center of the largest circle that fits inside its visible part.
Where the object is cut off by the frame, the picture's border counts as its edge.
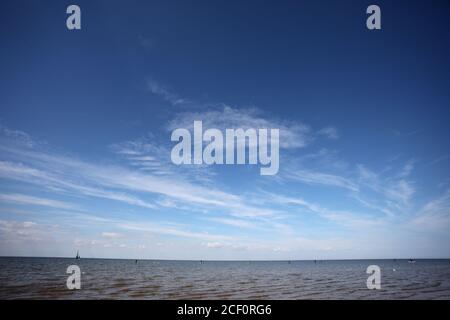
(30, 200)
(292, 134)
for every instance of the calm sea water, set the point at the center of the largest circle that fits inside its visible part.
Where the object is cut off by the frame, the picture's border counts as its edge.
(45, 278)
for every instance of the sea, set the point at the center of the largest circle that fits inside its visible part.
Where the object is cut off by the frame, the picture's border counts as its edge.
(46, 278)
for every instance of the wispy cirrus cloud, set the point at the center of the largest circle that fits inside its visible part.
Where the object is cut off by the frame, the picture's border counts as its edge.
(234, 222)
(434, 215)
(166, 94)
(329, 132)
(38, 201)
(173, 231)
(396, 188)
(147, 156)
(53, 181)
(293, 134)
(116, 182)
(351, 219)
(17, 136)
(323, 179)
(141, 176)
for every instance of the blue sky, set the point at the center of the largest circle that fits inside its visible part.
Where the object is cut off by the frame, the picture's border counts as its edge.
(86, 118)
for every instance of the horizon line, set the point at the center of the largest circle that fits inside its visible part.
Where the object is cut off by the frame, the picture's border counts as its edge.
(226, 260)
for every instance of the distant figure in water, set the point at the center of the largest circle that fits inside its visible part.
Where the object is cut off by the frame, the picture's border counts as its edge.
(315, 261)
(201, 261)
(135, 261)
